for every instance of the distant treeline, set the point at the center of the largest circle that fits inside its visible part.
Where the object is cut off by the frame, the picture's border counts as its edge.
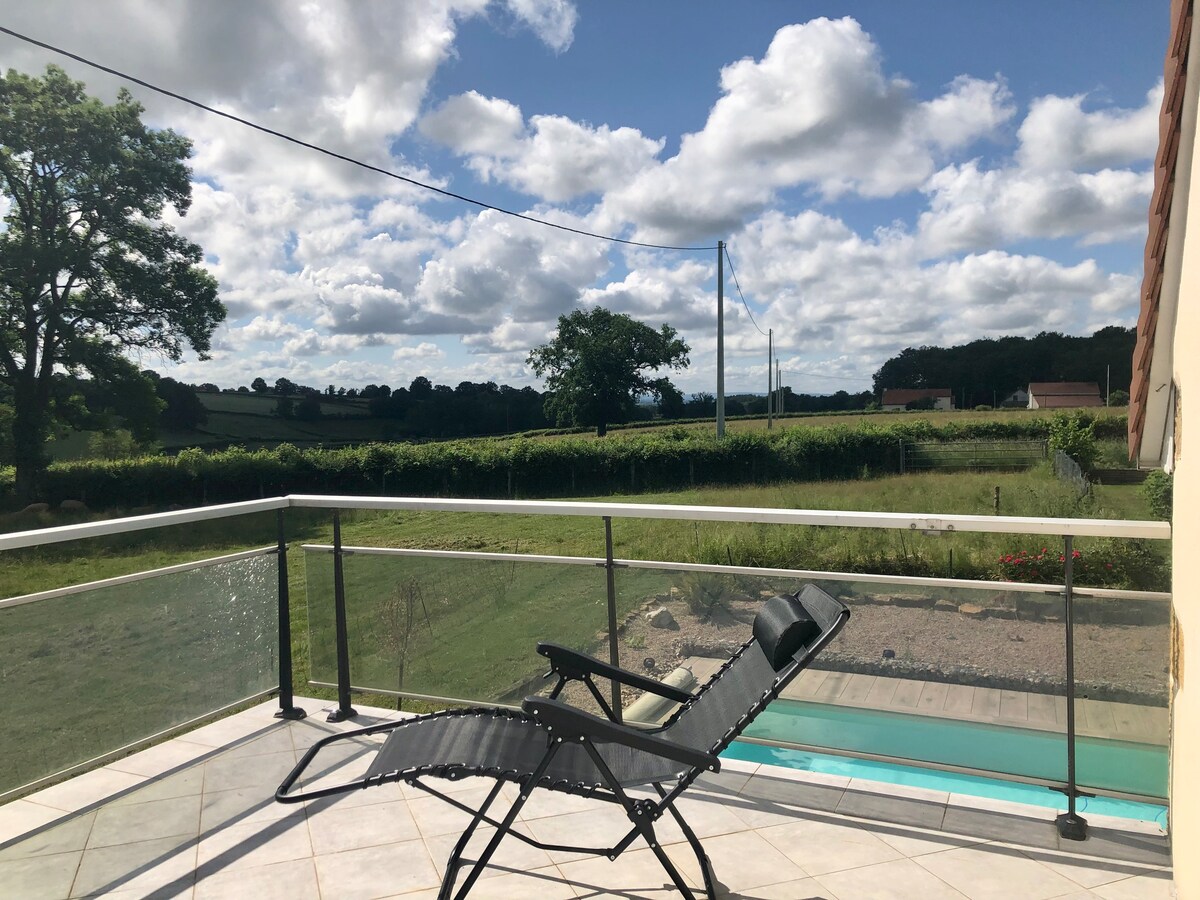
(661, 460)
(986, 371)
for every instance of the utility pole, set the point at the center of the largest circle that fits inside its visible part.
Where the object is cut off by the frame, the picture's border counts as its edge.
(720, 339)
(779, 388)
(1107, 383)
(770, 362)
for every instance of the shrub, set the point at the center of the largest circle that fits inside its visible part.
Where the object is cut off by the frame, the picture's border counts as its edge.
(1131, 564)
(1158, 490)
(1075, 435)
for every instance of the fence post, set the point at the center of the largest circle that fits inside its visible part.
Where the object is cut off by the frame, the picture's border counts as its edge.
(344, 710)
(614, 654)
(901, 457)
(287, 706)
(1071, 825)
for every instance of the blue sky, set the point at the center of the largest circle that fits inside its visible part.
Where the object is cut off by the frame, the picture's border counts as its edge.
(886, 174)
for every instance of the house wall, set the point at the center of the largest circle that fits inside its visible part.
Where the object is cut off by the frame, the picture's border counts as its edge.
(1185, 581)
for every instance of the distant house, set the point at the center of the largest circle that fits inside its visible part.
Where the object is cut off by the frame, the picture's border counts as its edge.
(899, 398)
(1018, 399)
(1064, 395)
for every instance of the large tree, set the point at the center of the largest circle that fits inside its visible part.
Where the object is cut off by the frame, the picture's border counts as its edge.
(599, 363)
(88, 269)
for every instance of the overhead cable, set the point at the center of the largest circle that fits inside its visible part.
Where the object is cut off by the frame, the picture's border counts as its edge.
(740, 294)
(333, 153)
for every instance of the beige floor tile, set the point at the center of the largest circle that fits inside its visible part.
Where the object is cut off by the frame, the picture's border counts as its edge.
(600, 829)
(149, 868)
(185, 783)
(146, 821)
(801, 889)
(512, 854)
(334, 829)
(70, 835)
(84, 790)
(435, 816)
(376, 871)
(21, 817)
(544, 884)
(633, 874)
(39, 877)
(291, 880)
(900, 879)
(1088, 871)
(1142, 887)
(159, 759)
(255, 844)
(739, 861)
(707, 818)
(240, 806)
(819, 846)
(911, 841)
(554, 803)
(266, 771)
(989, 871)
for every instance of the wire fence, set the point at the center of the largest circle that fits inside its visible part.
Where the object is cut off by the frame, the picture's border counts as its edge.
(1069, 472)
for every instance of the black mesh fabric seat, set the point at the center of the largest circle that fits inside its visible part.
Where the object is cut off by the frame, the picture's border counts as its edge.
(551, 745)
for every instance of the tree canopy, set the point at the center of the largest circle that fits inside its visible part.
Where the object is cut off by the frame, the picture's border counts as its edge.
(598, 365)
(992, 368)
(88, 269)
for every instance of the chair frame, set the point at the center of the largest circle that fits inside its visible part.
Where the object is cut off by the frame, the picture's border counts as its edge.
(565, 723)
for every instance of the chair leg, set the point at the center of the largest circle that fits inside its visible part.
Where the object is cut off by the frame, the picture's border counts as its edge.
(501, 832)
(455, 859)
(706, 871)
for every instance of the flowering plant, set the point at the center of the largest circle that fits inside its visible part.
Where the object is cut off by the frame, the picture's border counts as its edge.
(1048, 566)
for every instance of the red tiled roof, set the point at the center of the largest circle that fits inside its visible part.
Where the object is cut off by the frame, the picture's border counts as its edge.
(1170, 117)
(1065, 388)
(911, 395)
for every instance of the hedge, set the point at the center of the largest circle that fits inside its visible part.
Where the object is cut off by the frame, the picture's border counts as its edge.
(662, 460)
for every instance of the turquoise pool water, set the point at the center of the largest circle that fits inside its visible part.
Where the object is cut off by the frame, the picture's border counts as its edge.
(1112, 765)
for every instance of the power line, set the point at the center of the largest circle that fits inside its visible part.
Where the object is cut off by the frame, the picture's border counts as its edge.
(815, 375)
(739, 290)
(332, 153)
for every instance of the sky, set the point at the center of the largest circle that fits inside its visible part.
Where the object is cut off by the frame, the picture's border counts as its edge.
(885, 175)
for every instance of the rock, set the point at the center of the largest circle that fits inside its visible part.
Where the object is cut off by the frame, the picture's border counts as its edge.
(661, 618)
(912, 601)
(73, 506)
(946, 605)
(1000, 612)
(972, 610)
(33, 508)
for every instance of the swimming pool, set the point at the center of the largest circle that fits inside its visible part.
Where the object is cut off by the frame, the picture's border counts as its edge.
(1120, 766)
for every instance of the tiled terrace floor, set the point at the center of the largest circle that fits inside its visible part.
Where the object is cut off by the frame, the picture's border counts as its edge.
(194, 818)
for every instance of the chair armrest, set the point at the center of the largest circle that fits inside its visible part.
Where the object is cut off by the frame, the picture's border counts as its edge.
(568, 722)
(573, 664)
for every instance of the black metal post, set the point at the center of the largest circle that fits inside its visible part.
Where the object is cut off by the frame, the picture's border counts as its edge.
(1071, 825)
(614, 655)
(344, 710)
(287, 707)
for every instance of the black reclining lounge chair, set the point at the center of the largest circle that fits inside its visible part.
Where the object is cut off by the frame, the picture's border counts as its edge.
(557, 747)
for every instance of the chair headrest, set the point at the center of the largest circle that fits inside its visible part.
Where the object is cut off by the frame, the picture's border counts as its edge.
(782, 627)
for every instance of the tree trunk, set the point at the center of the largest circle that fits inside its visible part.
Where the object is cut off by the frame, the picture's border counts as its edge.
(601, 429)
(29, 442)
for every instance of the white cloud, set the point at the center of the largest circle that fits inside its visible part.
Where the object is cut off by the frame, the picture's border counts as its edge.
(816, 110)
(1057, 134)
(553, 21)
(423, 350)
(555, 158)
(502, 265)
(971, 208)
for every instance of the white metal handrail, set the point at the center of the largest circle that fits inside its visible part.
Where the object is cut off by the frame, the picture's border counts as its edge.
(1016, 587)
(934, 524)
